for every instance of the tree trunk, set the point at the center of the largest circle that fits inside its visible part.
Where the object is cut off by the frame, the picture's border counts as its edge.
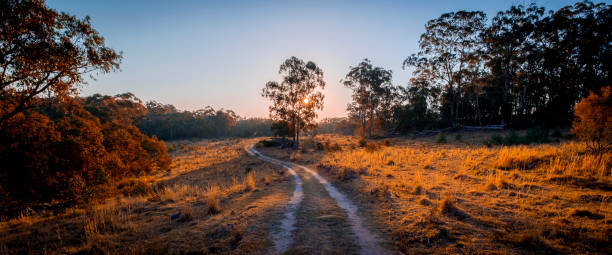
(505, 102)
(297, 140)
(522, 112)
(452, 104)
(478, 111)
(295, 134)
(371, 122)
(363, 125)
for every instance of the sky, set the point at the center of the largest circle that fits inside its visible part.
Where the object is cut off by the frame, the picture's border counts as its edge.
(193, 54)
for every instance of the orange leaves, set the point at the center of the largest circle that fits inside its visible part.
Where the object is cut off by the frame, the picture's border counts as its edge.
(593, 123)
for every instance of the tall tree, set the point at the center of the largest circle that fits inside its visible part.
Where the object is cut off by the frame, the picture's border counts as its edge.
(371, 87)
(509, 39)
(573, 56)
(446, 47)
(296, 99)
(418, 105)
(43, 51)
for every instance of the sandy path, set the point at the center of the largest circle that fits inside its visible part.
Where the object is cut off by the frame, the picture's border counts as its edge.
(327, 221)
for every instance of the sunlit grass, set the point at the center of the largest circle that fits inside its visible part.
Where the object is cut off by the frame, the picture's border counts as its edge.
(472, 189)
(206, 178)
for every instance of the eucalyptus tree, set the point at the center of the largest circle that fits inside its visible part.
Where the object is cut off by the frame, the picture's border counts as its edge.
(418, 105)
(372, 88)
(43, 51)
(573, 56)
(297, 97)
(446, 48)
(509, 41)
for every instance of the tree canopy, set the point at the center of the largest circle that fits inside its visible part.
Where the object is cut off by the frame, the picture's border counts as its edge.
(295, 100)
(45, 51)
(526, 67)
(373, 93)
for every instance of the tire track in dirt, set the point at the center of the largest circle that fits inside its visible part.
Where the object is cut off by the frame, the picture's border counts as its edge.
(282, 239)
(367, 242)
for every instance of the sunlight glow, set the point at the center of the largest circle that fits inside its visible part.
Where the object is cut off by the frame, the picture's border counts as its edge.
(306, 100)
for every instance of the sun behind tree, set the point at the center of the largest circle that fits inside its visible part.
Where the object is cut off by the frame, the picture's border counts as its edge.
(295, 99)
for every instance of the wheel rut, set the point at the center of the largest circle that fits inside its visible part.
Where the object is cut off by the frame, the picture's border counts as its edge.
(319, 219)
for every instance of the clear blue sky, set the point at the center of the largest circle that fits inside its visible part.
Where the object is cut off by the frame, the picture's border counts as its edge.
(221, 53)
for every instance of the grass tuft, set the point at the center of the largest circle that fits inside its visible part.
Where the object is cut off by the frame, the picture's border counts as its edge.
(417, 184)
(249, 182)
(212, 200)
(447, 206)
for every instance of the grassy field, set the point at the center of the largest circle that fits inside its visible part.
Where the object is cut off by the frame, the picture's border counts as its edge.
(463, 197)
(420, 195)
(218, 195)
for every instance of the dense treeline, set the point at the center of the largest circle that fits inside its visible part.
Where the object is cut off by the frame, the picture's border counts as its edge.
(73, 149)
(524, 67)
(54, 149)
(336, 125)
(58, 148)
(168, 123)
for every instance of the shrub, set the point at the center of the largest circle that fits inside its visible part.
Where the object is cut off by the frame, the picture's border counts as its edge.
(372, 147)
(488, 143)
(69, 150)
(593, 123)
(537, 135)
(496, 139)
(458, 137)
(387, 142)
(512, 139)
(441, 138)
(134, 188)
(331, 147)
(362, 142)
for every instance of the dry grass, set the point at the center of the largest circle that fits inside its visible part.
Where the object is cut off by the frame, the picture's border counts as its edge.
(447, 206)
(547, 198)
(185, 210)
(496, 182)
(417, 184)
(249, 181)
(596, 166)
(458, 197)
(212, 200)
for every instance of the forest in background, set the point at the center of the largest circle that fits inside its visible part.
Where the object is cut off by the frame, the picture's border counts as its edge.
(69, 150)
(524, 67)
(168, 123)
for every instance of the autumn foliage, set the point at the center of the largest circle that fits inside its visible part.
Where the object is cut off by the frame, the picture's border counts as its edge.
(593, 123)
(69, 151)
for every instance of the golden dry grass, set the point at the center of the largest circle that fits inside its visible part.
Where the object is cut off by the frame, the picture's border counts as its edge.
(205, 204)
(425, 197)
(547, 198)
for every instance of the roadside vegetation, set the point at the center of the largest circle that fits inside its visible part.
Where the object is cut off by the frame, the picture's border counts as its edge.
(213, 199)
(462, 196)
(501, 142)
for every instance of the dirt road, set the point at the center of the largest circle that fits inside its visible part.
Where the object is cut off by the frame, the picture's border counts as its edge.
(319, 219)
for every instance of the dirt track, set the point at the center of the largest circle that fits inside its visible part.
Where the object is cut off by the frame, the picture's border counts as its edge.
(319, 219)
